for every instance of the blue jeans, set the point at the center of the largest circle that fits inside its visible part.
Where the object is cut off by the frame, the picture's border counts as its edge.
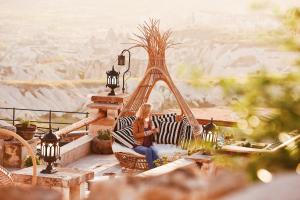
(149, 153)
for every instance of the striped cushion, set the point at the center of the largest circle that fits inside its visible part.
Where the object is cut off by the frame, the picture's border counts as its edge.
(156, 119)
(124, 137)
(186, 135)
(169, 133)
(124, 122)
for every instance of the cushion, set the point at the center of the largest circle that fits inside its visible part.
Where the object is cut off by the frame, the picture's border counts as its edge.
(186, 134)
(124, 122)
(156, 119)
(116, 147)
(124, 137)
(172, 152)
(169, 133)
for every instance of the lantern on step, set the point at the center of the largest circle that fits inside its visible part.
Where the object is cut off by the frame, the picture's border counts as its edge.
(50, 151)
(112, 80)
(210, 132)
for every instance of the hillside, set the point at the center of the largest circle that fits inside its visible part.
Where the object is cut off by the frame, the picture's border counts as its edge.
(53, 56)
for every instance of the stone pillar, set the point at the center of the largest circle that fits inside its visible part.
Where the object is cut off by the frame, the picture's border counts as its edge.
(13, 153)
(108, 107)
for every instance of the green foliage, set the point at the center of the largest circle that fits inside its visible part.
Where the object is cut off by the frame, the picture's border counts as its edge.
(181, 71)
(259, 5)
(25, 122)
(280, 96)
(195, 76)
(192, 73)
(161, 161)
(292, 21)
(104, 134)
(28, 161)
(198, 146)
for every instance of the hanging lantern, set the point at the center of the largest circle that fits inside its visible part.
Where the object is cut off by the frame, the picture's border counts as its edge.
(50, 151)
(112, 80)
(121, 60)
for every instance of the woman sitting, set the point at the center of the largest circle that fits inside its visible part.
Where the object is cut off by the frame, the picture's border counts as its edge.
(143, 132)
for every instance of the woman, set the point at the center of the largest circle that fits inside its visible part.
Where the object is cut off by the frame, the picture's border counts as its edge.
(143, 131)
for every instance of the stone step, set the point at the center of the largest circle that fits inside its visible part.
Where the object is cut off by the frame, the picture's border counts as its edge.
(75, 150)
(103, 166)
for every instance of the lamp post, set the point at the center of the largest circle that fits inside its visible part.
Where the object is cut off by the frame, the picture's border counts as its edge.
(50, 150)
(121, 61)
(112, 80)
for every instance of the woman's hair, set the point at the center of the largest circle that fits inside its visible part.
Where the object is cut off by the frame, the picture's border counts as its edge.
(144, 111)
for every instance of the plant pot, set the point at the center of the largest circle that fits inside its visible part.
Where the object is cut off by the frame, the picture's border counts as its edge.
(101, 146)
(26, 133)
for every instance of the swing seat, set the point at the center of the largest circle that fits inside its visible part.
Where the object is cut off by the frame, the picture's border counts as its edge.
(129, 159)
(156, 44)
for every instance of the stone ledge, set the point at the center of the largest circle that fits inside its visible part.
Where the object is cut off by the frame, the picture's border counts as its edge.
(64, 177)
(105, 106)
(75, 150)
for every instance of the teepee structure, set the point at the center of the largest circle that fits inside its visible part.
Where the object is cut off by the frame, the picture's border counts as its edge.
(156, 44)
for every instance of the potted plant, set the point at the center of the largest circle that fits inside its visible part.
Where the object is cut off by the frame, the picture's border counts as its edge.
(102, 143)
(28, 161)
(26, 129)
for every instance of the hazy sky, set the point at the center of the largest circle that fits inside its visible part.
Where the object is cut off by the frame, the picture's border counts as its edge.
(66, 34)
(128, 13)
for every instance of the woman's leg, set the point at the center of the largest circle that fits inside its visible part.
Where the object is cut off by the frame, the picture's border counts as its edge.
(154, 154)
(148, 152)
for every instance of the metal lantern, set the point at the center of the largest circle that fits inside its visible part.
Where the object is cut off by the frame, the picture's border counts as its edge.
(50, 151)
(209, 132)
(112, 80)
(121, 61)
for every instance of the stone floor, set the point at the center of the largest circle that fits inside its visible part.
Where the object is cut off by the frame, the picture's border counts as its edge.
(100, 164)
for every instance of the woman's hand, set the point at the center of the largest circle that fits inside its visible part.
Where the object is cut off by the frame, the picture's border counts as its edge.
(152, 131)
(155, 130)
(147, 133)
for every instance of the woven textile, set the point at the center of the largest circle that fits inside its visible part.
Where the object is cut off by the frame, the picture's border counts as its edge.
(186, 134)
(169, 133)
(124, 137)
(124, 122)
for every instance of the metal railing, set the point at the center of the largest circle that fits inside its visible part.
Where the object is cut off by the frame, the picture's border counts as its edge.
(15, 119)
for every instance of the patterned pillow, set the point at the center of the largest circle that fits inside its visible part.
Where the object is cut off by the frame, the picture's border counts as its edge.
(124, 122)
(186, 135)
(124, 137)
(169, 133)
(156, 119)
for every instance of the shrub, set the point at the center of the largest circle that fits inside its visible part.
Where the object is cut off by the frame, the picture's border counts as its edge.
(104, 134)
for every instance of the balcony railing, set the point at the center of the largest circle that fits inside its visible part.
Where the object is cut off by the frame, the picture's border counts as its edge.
(14, 119)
